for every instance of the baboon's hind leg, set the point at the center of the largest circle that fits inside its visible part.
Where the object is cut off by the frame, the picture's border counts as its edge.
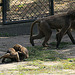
(39, 36)
(3, 60)
(8, 55)
(5, 56)
(47, 32)
(47, 37)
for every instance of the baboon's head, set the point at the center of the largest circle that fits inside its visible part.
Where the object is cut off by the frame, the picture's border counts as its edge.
(71, 14)
(17, 47)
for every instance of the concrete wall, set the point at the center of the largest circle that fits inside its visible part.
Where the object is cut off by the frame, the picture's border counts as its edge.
(16, 29)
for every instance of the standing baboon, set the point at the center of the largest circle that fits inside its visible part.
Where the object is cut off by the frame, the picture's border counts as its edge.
(60, 21)
(23, 52)
(12, 54)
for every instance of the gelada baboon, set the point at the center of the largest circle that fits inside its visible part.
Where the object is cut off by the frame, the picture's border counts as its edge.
(60, 21)
(12, 54)
(22, 51)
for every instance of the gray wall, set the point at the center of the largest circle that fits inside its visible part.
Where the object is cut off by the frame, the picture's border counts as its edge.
(16, 29)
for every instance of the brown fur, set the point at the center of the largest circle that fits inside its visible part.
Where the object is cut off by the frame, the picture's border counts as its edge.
(12, 54)
(23, 52)
(73, 25)
(17, 47)
(60, 21)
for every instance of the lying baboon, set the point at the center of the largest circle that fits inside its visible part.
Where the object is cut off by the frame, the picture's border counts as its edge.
(12, 54)
(23, 52)
(60, 21)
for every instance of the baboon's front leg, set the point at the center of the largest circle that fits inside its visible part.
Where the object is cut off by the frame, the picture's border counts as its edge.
(70, 36)
(62, 32)
(5, 56)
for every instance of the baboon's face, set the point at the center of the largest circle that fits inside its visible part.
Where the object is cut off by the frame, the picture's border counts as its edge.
(72, 14)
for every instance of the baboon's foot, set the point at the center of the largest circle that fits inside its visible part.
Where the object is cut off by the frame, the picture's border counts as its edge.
(45, 45)
(31, 41)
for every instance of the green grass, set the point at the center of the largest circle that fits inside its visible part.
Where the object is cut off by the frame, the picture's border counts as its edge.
(62, 44)
(7, 34)
(4, 34)
(43, 54)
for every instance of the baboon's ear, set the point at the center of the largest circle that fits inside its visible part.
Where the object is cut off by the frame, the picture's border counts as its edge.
(71, 13)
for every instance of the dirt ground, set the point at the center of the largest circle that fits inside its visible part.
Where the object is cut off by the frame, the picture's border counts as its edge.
(8, 42)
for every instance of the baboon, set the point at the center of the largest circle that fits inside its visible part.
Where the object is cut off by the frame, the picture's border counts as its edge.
(12, 54)
(23, 52)
(59, 21)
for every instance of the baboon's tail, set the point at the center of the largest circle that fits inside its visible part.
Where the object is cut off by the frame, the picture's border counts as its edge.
(31, 31)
